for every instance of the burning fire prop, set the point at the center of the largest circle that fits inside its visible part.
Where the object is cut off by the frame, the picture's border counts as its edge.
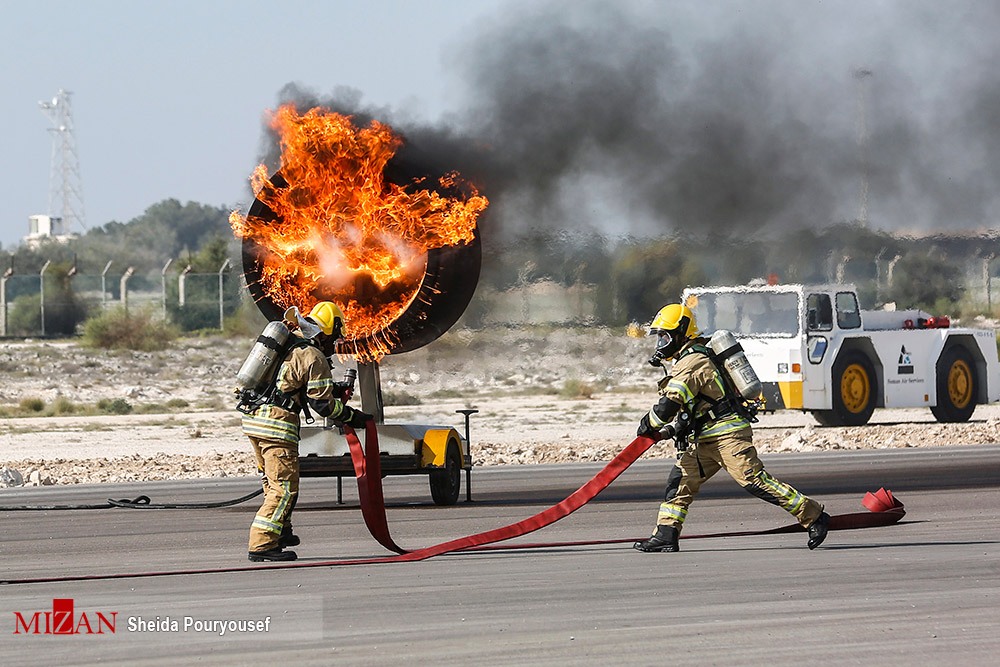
(400, 259)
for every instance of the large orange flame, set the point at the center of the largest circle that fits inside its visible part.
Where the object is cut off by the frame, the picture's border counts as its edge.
(343, 233)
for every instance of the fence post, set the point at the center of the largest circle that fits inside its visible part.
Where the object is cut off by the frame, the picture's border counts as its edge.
(181, 280)
(842, 268)
(989, 284)
(163, 286)
(878, 276)
(892, 265)
(104, 289)
(3, 293)
(41, 292)
(123, 287)
(222, 269)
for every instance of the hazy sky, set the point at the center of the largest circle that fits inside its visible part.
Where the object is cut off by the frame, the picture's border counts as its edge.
(629, 116)
(168, 97)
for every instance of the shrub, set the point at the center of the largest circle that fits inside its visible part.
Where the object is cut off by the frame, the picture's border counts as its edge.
(25, 317)
(32, 404)
(399, 398)
(134, 330)
(63, 312)
(63, 406)
(118, 406)
(246, 322)
(576, 389)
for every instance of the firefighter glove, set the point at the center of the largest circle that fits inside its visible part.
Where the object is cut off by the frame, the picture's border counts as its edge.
(356, 418)
(343, 391)
(645, 428)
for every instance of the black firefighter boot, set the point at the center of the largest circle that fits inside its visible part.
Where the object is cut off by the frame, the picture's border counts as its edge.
(664, 539)
(276, 553)
(288, 538)
(818, 530)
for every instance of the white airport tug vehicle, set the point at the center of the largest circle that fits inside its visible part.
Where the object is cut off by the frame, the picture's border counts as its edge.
(815, 350)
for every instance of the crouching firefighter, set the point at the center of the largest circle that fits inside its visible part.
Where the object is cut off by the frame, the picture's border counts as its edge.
(709, 420)
(287, 372)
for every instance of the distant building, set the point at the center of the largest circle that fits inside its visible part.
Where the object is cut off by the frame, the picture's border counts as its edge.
(43, 228)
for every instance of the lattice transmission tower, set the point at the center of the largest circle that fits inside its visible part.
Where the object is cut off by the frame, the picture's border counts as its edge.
(65, 183)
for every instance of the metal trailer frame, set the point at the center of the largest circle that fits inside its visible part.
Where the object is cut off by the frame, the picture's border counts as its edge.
(406, 449)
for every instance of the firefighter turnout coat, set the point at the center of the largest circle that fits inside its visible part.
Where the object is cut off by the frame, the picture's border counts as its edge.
(723, 439)
(273, 429)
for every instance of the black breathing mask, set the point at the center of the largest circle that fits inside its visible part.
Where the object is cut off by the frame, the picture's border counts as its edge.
(666, 346)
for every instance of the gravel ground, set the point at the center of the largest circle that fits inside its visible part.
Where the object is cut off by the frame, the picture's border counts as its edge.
(544, 397)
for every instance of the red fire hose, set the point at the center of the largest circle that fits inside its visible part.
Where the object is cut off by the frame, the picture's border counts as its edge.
(884, 508)
(368, 471)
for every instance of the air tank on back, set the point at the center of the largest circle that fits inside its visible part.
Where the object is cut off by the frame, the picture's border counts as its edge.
(255, 371)
(734, 360)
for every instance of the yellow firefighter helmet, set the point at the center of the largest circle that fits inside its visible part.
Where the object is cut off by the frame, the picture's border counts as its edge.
(676, 320)
(674, 325)
(328, 316)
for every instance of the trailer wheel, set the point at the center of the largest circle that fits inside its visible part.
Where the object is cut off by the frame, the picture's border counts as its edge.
(446, 482)
(854, 393)
(956, 386)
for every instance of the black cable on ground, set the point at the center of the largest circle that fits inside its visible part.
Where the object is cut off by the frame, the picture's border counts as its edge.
(141, 502)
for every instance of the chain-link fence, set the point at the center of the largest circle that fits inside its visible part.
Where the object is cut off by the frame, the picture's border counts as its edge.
(51, 303)
(56, 301)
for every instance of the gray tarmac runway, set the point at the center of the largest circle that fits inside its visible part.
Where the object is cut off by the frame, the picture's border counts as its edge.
(924, 591)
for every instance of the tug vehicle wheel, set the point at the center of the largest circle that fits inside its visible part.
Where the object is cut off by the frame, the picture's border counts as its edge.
(956, 386)
(854, 392)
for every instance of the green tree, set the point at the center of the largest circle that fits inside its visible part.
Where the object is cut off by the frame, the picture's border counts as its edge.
(63, 311)
(649, 274)
(922, 281)
(166, 229)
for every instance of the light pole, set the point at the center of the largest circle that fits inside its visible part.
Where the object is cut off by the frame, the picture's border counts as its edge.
(863, 76)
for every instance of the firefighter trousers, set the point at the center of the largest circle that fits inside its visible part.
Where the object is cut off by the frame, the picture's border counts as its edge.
(736, 454)
(279, 462)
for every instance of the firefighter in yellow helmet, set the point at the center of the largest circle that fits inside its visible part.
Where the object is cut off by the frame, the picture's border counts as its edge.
(713, 434)
(302, 381)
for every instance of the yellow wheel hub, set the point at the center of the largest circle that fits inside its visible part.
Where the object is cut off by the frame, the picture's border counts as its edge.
(856, 388)
(960, 384)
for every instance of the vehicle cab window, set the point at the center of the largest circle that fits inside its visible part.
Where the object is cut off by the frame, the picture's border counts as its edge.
(848, 313)
(819, 312)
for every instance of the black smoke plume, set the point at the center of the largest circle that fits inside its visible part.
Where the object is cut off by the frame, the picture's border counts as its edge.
(720, 118)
